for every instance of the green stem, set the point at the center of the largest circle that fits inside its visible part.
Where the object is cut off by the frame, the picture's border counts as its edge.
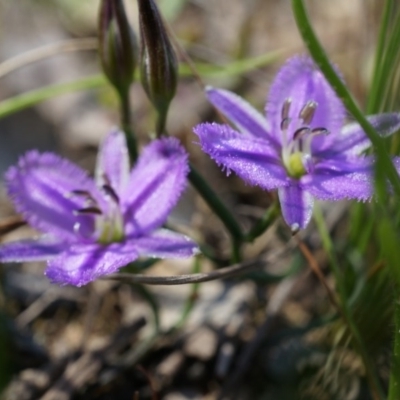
(321, 59)
(126, 124)
(263, 223)
(161, 123)
(373, 96)
(347, 315)
(215, 204)
(394, 383)
(236, 251)
(191, 300)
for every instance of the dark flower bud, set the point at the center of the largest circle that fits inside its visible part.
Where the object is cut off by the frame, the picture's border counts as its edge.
(117, 47)
(158, 63)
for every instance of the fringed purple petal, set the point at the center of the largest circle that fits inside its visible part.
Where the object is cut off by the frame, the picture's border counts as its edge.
(155, 185)
(297, 205)
(81, 263)
(41, 249)
(254, 160)
(337, 179)
(113, 162)
(353, 140)
(165, 244)
(41, 187)
(242, 114)
(300, 81)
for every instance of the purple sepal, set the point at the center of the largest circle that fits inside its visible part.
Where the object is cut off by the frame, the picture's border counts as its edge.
(254, 160)
(83, 263)
(31, 250)
(113, 162)
(164, 243)
(155, 185)
(41, 187)
(241, 113)
(297, 205)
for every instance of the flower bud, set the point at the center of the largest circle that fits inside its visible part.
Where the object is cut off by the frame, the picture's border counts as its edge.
(117, 47)
(158, 63)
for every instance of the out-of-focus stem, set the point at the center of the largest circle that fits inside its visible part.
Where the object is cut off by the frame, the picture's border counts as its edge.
(191, 300)
(263, 223)
(347, 315)
(219, 208)
(394, 383)
(126, 124)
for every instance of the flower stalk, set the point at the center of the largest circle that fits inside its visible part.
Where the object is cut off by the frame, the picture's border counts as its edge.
(118, 56)
(263, 223)
(215, 203)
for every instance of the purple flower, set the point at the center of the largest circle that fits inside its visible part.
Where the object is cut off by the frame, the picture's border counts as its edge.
(301, 148)
(94, 227)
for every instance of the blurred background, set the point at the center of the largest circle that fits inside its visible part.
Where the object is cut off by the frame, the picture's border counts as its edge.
(267, 335)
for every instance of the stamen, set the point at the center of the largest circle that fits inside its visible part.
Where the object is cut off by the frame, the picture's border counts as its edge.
(83, 193)
(80, 192)
(320, 131)
(106, 179)
(88, 210)
(285, 124)
(111, 192)
(299, 133)
(285, 109)
(307, 112)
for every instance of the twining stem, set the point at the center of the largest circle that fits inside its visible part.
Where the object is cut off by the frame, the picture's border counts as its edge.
(221, 273)
(346, 313)
(219, 208)
(126, 124)
(263, 223)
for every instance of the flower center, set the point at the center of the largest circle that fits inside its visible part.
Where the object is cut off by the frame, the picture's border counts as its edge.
(109, 223)
(296, 148)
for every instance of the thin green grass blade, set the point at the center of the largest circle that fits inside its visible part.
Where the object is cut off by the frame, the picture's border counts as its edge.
(373, 98)
(29, 99)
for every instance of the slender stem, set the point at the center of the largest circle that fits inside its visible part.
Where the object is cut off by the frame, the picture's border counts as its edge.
(214, 202)
(384, 163)
(263, 223)
(347, 315)
(394, 383)
(161, 123)
(46, 51)
(377, 74)
(221, 273)
(236, 251)
(33, 97)
(126, 124)
(153, 303)
(191, 300)
(317, 271)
